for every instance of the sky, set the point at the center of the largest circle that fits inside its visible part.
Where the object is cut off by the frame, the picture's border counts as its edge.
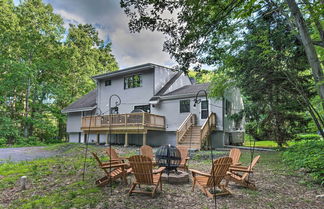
(112, 24)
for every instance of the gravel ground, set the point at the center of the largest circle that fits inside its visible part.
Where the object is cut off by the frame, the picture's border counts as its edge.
(24, 153)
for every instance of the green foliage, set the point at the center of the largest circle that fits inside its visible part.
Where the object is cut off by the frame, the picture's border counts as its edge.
(308, 155)
(40, 72)
(307, 137)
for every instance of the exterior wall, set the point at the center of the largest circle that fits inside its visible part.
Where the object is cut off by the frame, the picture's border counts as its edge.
(154, 138)
(159, 138)
(73, 123)
(183, 80)
(217, 139)
(129, 97)
(234, 96)
(171, 110)
(161, 77)
(74, 137)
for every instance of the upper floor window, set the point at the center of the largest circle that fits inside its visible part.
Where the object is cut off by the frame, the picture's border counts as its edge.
(107, 82)
(184, 106)
(133, 81)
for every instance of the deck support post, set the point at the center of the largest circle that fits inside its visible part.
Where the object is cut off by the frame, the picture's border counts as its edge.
(144, 138)
(126, 140)
(107, 139)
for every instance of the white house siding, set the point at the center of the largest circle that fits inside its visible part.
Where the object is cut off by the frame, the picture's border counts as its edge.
(73, 123)
(161, 77)
(171, 110)
(183, 80)
(74, 137)
(234, 96)
(129, 97)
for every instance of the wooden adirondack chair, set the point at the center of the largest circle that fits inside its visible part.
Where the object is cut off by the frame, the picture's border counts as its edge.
(114, 156)
(235, 154)
(184, 157)
(148, 152)
(240, 174)
(113, 171)
(142, 168)
(207, 181)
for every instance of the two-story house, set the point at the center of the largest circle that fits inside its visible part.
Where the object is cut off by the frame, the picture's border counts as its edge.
(154, 105)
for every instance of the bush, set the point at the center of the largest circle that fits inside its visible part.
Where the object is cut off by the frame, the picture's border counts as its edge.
(301, 137)
(3, 141)
(308, 155)
(32, 140)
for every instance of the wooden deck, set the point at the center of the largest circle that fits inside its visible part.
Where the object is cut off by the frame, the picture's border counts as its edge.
(123, 123)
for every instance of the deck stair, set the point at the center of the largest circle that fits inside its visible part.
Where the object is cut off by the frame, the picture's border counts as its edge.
(191, 135)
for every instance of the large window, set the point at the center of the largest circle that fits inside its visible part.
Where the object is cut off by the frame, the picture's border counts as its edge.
(133, 81)
(204, 109)
(145, 108)
(184, 106)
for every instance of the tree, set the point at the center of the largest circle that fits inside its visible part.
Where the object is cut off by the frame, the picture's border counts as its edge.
(201, 31)
(40, 72)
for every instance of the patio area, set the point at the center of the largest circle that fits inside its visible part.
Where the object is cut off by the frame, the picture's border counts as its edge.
(58, 181)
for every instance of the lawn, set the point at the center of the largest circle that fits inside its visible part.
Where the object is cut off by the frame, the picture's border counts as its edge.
(57, 183)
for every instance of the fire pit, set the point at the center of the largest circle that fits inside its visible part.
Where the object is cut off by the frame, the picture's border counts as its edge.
(168, 156)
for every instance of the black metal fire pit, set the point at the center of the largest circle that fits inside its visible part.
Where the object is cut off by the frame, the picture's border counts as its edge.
(168, 156)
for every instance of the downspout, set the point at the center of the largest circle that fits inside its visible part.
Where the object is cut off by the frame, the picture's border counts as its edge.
(223, 121)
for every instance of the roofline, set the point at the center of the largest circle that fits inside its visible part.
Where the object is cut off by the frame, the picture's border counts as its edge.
(180, 96)
(128, 70)
(78, 109)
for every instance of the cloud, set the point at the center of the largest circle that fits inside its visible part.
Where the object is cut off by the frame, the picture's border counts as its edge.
(112, 24)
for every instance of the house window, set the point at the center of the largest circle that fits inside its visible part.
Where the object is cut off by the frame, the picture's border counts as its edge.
(228, 107)
(108, 83)
(204, 109)
(184, 106)
(133, 81)
(145, 108)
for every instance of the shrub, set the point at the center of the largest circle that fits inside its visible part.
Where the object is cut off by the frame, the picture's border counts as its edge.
(301, 137)
(308, 155)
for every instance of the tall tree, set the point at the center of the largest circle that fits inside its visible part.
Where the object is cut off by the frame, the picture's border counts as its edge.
(195, 28)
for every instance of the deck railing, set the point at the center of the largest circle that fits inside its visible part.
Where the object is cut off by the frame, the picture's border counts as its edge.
(185, 126)
(207, 127)
(124, 120)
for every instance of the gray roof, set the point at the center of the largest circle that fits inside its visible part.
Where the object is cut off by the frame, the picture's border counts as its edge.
(134, 69)
(166, 86)
(188, 89)
(87, 102)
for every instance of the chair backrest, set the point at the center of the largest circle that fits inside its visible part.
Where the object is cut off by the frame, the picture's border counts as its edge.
(143, 169)
(147, 151)
(250, 167)
(219, 169)
(112, 154)
(183, 152)
(97, 158)
(235, 154)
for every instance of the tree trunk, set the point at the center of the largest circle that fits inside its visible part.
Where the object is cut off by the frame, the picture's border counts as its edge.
(27, 109)
(309, 48)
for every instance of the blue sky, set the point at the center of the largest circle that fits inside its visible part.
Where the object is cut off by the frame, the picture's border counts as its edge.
(106, 15)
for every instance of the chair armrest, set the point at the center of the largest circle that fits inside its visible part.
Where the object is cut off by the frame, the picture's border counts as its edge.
(199, 173)
(158, 170)
(240, 170)
(238, 167)
(114, 165)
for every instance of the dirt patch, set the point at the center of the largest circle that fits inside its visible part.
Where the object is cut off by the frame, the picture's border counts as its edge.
(278, 187)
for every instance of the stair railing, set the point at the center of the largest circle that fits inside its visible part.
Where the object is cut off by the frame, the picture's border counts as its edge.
(185, 126)
(207, 127)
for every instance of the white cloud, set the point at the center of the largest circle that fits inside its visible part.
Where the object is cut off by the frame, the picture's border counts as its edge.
(111, 23)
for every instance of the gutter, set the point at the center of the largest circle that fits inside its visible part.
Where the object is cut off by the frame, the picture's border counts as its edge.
(78, 109)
